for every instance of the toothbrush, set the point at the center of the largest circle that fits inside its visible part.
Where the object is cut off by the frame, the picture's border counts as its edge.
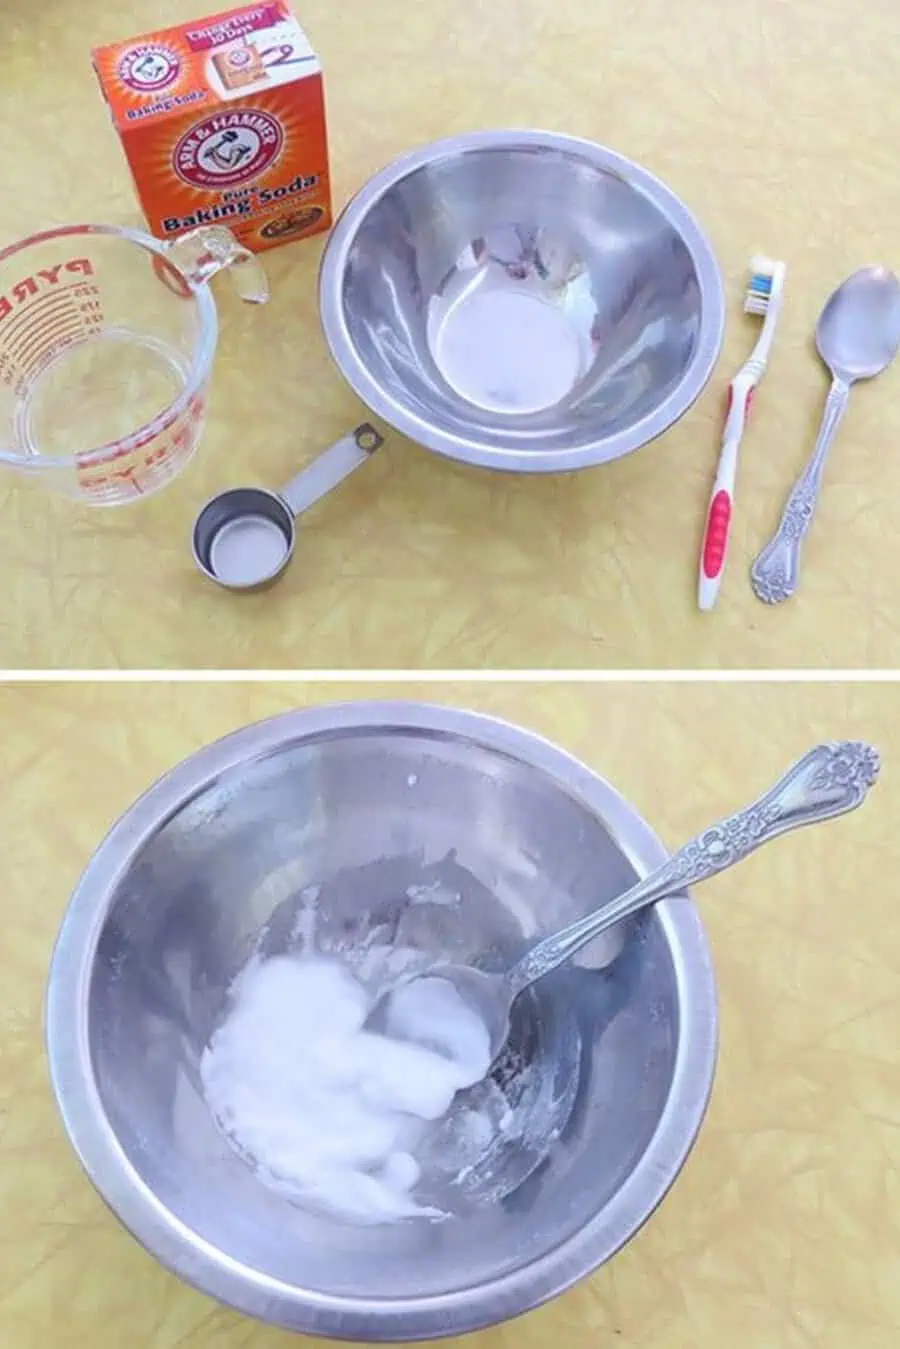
(764, 296)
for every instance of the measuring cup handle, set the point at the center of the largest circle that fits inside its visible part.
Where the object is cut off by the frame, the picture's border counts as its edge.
(203, 252)
(332, 467)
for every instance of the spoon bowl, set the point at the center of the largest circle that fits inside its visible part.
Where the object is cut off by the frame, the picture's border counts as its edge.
(858, 333)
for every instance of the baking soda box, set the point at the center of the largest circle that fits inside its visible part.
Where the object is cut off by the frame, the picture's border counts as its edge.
(223, 122)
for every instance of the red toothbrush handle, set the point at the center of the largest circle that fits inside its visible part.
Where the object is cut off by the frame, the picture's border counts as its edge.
(718, 526)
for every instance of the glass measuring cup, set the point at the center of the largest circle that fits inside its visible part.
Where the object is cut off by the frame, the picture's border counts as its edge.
(106, 343)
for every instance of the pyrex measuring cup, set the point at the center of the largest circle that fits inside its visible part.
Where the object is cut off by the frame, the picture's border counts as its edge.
(106, 343)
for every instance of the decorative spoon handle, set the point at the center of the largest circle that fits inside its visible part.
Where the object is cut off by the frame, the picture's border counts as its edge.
(776, 572)
(830, 780)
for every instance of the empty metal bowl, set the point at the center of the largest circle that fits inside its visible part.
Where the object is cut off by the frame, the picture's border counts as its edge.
(438, 829)
(522, 300)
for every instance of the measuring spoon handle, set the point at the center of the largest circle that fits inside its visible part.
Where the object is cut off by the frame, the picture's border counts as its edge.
(830, 780)
(330, 468)
(776, 572)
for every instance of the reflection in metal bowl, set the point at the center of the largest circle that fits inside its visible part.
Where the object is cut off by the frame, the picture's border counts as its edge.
(522, 300)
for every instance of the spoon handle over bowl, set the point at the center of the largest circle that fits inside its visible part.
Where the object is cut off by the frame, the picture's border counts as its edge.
(776, 572)
(830, 780)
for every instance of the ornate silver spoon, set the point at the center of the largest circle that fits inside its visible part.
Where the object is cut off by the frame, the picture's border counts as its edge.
(830, 780)
(858, 335)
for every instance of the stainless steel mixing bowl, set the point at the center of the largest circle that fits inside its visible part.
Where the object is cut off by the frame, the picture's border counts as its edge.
(522, 300)
(441, 829)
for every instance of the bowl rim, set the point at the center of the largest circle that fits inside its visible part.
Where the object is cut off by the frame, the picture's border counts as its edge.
(174, 1244)
(471, 450)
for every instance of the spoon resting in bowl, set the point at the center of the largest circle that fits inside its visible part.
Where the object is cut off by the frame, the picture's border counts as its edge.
(830, 780)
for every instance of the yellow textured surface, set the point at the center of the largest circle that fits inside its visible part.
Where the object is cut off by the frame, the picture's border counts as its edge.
(782, 1232)
(777, 122)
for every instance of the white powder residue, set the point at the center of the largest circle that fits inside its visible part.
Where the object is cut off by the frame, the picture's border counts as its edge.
(435, 893)
(329, 1112)
(304, 930)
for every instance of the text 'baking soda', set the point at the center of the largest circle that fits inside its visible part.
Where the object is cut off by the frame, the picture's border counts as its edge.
(223, 122)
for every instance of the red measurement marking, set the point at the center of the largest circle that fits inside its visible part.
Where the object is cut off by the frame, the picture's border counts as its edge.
(34, 345)
(37, 368)
(87, 294)
(55, 300)
(64, 344)
(25, 345)
(100, 484)
(27, 362)
(40, 318)
(59, 300)
(65, 338)
(101, 473)
(41, 280)
(178, 430)
(130, 475)
(48, 324)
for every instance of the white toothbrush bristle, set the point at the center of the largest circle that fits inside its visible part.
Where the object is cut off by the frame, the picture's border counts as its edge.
(766, 279)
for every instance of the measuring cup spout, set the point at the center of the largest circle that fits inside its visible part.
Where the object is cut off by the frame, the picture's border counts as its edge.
(330, 468)
(203, 252)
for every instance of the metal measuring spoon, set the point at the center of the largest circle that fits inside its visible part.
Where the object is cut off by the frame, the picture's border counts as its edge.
(830, 780)
(244, 538)
(858, 335)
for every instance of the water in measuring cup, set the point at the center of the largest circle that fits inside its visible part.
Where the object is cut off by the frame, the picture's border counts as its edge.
(98, 391)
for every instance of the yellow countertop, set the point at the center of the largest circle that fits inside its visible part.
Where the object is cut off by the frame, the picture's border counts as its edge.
(777, 123)
(782, 1231)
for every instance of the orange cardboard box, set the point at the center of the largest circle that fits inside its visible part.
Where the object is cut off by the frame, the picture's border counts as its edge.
(223, 122)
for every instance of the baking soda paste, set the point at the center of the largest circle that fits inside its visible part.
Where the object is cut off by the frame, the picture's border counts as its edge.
(332, 1114)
